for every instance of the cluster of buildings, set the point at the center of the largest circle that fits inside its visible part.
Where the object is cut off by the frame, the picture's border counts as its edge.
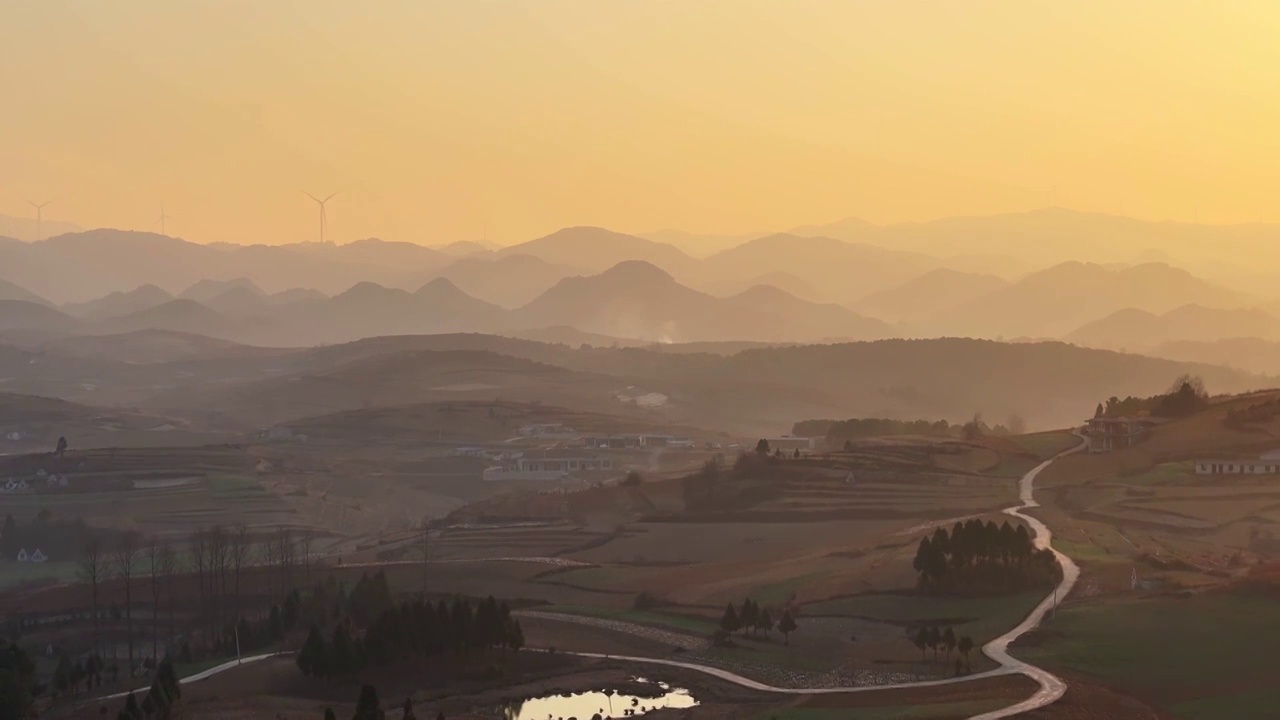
(1111, 434)
(35, 557)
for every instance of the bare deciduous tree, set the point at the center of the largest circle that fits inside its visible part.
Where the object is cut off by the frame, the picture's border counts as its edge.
(239, 557)
(199, 548)
(168, 567)
(155, 570)
(93, 569)
(126, 552)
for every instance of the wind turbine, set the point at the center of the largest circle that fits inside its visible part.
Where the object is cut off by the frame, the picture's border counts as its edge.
(39, 215)
(321, 204)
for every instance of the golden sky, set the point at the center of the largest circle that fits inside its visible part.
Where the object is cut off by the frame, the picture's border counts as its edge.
(440, 120)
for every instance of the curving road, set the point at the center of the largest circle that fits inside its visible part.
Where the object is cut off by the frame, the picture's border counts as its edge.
(1051, 689)
(1051, 686)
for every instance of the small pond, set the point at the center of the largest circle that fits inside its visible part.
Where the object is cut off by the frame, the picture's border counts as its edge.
(602, 703)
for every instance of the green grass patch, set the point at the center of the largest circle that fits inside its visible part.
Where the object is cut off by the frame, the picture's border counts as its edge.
(1254, 705)
(654, 618)
(227, 486)
(980, 618)
(1176, 473)
(1195, 645)
(909, 712)
(1045, 445)
(15, 574)
(782, 592)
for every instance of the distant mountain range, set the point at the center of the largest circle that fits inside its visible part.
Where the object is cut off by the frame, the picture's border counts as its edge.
(779, 288)
(632, 300)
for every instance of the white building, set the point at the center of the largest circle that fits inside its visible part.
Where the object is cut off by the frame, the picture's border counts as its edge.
(1267, 463)
(547, 430)
(38, 557)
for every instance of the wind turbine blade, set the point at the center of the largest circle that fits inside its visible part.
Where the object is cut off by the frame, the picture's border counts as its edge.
(335, 192)
(313, 197)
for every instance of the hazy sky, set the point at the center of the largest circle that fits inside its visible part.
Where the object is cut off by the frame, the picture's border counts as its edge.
(441, 120)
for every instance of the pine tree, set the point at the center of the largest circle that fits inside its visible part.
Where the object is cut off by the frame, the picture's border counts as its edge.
(786, 626)
(368, 707)
(729, 621)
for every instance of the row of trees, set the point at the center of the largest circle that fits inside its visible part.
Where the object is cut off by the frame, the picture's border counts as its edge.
(219, 557)
(1186, 396)
(931, 638)
(414, 630)
(839, 432)
(984, 557)
(753, 618)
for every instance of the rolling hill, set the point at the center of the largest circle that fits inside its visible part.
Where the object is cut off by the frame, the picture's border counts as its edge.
(1140, 330)
(765, 389)
(840, 271)
(509, 280)
(117, 303)
(598, 249)
(1056, 301)
(933, 292)
(13, 291)
(638, 300)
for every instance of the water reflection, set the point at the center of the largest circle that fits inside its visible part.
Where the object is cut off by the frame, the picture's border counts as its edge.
(600, 704)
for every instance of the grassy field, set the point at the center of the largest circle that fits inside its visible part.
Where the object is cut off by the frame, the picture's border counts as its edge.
(1045, 445)
(980, 618)
(683, 623)
(13, 574)
(902, 712)
(1198, 657)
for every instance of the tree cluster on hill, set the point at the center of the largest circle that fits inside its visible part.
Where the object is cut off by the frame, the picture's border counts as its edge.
(1255, 414)
(715, 487)
(1186, 397)
(414, 630)
(931, 638)
(67, 676)
(755, 619)
(983, 557)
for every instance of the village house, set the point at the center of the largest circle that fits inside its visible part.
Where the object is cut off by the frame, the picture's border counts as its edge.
(1267, 463)
(1108, 434)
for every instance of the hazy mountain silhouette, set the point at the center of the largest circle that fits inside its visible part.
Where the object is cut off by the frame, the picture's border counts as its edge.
(463, 248)
(206, 289)
(509, 280)
(755, 390)
(782, 317)
(792, 284)
(13, 291)
(120, 303)
(839, 270)
(599, 249)
(638, 300)
(933, 292)
(180, 315)
(23, 320)
(79, 267)
(24, 228)
(1137, 330)
(1058, 300)
(1246, 353)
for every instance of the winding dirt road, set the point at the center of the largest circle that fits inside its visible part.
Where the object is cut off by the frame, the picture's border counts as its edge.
(1051, 689)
